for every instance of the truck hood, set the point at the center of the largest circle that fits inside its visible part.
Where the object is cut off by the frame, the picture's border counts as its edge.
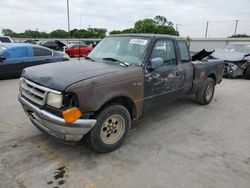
(60, 75)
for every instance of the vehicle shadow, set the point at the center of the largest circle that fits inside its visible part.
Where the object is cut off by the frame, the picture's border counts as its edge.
(160, 113)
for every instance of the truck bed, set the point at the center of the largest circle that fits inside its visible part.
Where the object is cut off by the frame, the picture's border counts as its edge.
(207, 68)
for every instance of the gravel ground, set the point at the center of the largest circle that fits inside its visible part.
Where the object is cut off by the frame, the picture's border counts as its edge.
(182, 145)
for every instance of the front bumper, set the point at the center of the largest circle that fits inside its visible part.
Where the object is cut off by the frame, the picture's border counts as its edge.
(55, 125)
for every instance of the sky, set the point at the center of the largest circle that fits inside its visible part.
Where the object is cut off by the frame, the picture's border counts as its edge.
(190, 15)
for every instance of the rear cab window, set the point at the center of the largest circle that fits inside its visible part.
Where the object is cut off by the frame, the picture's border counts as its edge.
(184, 54)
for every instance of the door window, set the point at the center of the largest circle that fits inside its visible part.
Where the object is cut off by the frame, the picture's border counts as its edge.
(41, 52)
(165, 49)
(183, 51)
(16, 53)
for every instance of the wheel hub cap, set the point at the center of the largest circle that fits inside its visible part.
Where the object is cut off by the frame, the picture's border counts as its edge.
(112, 129)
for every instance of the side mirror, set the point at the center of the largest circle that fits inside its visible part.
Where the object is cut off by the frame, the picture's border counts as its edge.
(2, 58)
(156, 63)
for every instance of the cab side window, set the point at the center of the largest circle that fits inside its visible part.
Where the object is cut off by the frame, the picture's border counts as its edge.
(183, 51)
(165, 49)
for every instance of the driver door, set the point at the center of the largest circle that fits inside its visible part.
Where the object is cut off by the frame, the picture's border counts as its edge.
(163, 84)
(14, 63)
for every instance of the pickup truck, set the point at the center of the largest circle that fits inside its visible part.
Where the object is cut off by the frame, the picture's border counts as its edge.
(123, 78)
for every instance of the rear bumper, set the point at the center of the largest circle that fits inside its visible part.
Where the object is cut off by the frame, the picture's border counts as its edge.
(54, 125)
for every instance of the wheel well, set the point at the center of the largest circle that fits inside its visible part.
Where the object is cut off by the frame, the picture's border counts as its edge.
(213, 77)
(124, 101)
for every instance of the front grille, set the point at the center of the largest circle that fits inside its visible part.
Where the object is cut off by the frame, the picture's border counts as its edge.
(30, 91)
(34, 92)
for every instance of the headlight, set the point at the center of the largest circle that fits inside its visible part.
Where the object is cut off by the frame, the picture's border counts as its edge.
(54, 100)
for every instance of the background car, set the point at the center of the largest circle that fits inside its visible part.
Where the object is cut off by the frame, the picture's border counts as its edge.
(237, 59)
(5, 39)
(55, 45)
(79, 50)
(15, 57)
(32, 41)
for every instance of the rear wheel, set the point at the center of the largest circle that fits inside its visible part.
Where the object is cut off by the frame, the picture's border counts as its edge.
(206, 93)
(110, 130)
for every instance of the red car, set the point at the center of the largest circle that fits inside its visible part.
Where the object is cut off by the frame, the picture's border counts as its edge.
(77, 50)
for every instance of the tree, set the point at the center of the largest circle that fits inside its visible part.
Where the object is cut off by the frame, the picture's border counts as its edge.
(31, 34)
(161, 20)
(59, 33)
(115, 32)
(44, 35)
(8, 32)
(158, 25)
(129, 30)
(240, 36)
(98, 32)
(145, 26)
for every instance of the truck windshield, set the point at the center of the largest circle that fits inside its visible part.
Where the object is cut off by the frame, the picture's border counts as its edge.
(129, 50)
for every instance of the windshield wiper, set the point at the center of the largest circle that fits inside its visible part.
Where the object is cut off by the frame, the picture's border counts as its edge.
(87, 57)
(116, 60)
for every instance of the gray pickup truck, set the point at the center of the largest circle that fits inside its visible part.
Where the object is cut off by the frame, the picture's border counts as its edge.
(123, 78)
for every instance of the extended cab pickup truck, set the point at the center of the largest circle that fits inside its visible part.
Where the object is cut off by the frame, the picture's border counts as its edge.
(123, 78)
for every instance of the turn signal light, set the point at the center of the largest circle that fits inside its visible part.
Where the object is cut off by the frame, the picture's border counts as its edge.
(71, 115)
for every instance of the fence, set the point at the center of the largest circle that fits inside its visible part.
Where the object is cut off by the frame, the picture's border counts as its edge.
(196, 44)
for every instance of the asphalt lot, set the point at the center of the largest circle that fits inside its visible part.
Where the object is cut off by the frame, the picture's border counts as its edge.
(182, 145)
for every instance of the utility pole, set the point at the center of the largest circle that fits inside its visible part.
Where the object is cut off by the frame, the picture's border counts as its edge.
(68, 17)
(176, 28)
(80, 27)
(236, 26)
(206, 29)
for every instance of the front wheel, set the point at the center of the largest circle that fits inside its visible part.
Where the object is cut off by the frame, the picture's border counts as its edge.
(206, 93)
(110, 130)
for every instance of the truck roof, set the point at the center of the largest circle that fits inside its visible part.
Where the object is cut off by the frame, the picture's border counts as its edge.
(148, 36)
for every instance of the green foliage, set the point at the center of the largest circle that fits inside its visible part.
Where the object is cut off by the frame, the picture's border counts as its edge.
(240, 36)
(145, 26)
(129, 30)
(59, 33)
(158, 25)
(8, 32)
(114, 32)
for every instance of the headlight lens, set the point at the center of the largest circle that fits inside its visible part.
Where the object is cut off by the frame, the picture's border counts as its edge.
(54, 100)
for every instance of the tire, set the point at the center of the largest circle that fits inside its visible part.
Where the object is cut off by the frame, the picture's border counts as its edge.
(111, 129)
(206, 93)
(247, 73)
